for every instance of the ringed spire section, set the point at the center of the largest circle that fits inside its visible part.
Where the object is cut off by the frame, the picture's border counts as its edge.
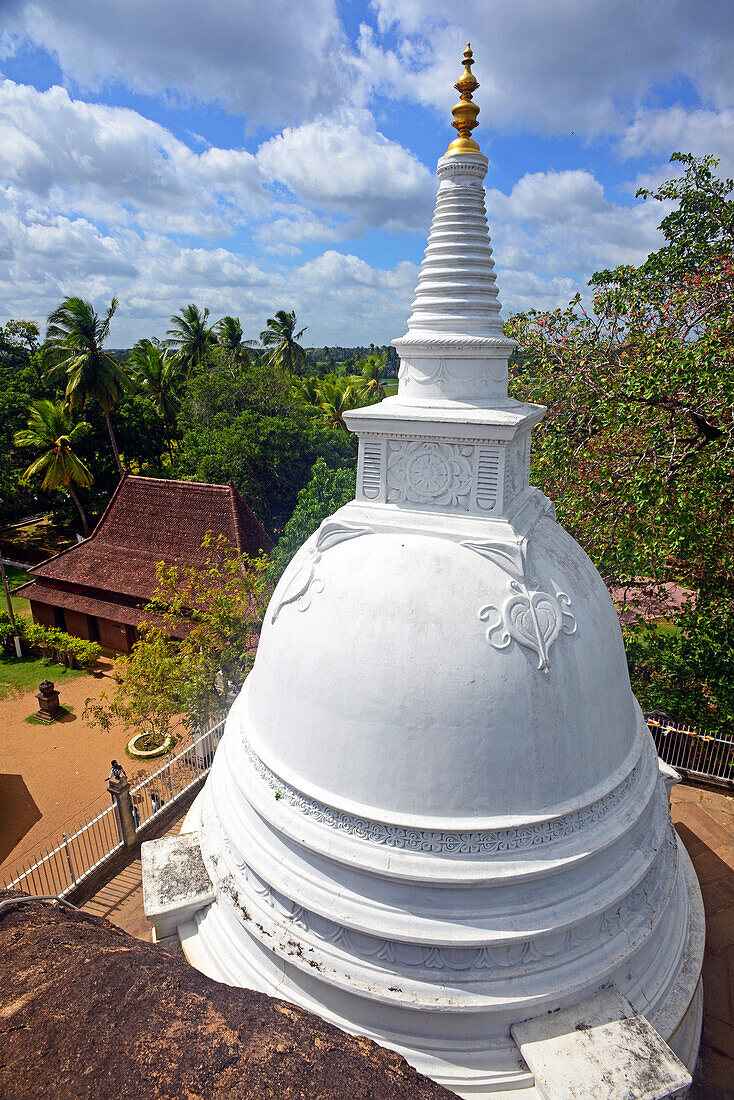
(454, 347)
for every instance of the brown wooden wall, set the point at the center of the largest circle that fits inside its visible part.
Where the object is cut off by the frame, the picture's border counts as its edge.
(43, 614)
(109, 634)
(113, 635)
(78, 624)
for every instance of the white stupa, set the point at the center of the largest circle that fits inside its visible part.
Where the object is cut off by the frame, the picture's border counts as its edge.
(437, 810)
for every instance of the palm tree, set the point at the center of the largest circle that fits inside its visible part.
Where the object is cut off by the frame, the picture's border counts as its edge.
(230, 339)
(280, 335)
(190, 338)
(157, 374)
(337, 396)
(308, 389)
(373, 368)
(51, 429)
(73, 347)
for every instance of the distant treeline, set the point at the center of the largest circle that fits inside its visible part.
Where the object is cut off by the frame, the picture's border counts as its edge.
(330, 359)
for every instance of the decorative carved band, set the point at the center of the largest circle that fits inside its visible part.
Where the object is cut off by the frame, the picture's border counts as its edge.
(623, 915)
(479, 842)
(416, 339)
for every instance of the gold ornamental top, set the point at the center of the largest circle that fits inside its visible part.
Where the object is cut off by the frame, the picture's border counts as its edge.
(465, 111)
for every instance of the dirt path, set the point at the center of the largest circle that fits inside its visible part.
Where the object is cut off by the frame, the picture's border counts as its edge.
(53, 776)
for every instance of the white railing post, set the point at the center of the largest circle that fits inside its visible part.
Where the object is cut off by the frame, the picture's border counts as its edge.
(68, 859)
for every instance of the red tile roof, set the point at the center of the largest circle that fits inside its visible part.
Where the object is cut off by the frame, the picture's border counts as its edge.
(149, 520)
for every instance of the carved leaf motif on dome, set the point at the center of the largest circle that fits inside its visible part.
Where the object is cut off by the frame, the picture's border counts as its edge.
(531, 618)
(528, 616)
(429, 473)
(509, 556)
(305, 583)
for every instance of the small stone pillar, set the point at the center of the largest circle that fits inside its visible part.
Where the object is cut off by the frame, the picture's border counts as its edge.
(119, 788)
(49, 708)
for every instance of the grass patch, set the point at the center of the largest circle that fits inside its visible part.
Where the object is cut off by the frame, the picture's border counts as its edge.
(33, 721)
(16, 577)
(19, 676)
(37, 540)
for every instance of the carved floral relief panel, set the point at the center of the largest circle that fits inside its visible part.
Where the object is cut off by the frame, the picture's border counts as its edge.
(430, 473)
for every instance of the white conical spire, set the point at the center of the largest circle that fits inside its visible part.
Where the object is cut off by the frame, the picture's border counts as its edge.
(457, 286)
(451, 440)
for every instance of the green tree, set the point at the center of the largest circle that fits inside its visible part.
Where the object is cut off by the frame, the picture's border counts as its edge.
(230, 339)
(636, 447)
(51, 430)
(190, 338)
(156, 374)
(337, 396)
(219, 608)
(700, 228)
(74, 347)
(327, 491)
(19, 339)
(21, 383)
(372, 370)
(281, 337)
(254, 430)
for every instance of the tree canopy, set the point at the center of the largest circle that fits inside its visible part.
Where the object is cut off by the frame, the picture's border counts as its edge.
(281, 337)
(636, 447)
(219, 608)
(74, 347)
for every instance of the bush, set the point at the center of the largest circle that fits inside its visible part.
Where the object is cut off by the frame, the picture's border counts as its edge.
(54, 644)
(83, 654)
(7, 644)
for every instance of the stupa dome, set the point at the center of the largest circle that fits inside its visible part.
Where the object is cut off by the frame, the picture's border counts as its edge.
(437, 812)
(425, 707)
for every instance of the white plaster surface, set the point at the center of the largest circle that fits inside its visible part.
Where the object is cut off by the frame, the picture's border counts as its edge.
(437, 810)
(600, 1047)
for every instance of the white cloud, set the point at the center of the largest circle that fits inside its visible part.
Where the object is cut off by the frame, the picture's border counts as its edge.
(48, 256)
(578, 66)
(297, 225)
(114, 165)
(266, 60)
(555, 229)
(345, 164)
(698, 131)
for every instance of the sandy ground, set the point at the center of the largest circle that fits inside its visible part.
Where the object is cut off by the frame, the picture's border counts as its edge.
(53, 776)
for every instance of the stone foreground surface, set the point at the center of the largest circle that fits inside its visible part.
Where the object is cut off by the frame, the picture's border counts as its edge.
(88, 1011)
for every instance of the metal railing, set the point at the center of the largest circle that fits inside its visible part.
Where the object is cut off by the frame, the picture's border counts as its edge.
(699, 755)
(78, 854)
(72, 858)
(176, 776)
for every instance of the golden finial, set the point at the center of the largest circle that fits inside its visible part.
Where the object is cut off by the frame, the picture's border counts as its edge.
(465, 111)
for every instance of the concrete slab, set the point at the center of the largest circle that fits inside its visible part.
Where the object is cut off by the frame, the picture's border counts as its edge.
(600, 1047)
(175, 881)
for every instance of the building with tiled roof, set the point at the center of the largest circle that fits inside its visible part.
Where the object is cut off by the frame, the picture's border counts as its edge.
(97, 590)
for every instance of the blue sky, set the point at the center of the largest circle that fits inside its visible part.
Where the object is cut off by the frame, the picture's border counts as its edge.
(251, 156)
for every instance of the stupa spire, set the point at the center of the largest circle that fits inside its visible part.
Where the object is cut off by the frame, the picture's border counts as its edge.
(465, 111)
(454, 348)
